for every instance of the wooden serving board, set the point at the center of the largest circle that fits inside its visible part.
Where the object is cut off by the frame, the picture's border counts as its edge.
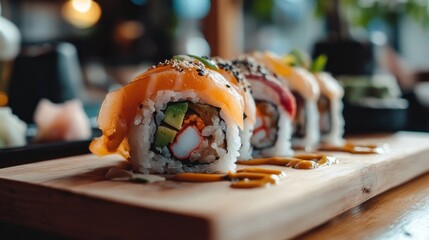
(70, 196)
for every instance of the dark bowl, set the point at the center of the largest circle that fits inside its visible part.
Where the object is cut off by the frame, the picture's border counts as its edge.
(375, 115)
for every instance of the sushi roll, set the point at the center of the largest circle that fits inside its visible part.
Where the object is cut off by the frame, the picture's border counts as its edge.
(275, 110)
(330, 104)
(242, 85)
(179, 116)
(306, 90)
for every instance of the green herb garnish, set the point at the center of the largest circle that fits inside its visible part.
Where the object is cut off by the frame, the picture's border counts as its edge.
(207, 62)
(319, 63)
(300, 59)
(179, 57)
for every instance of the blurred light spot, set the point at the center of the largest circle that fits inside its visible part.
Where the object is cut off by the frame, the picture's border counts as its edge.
(191, 9)
(81, 13)
(378, 38)
(197, 46)
(129, 30)
(139, 2)
(3, 99)
(81, 5)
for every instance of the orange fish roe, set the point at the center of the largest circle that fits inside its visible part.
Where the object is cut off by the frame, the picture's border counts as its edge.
(196, 120)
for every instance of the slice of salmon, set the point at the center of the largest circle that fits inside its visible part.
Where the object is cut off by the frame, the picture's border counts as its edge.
(120, 107)
(298, 79)
(241, 85)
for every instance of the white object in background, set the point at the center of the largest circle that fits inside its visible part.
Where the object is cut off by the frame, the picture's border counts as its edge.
(12, 129)
(10, 39)
(421, 90)
(389, 81)
(61, 122)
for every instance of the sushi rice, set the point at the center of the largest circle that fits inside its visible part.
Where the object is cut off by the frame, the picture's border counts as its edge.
(213, 158)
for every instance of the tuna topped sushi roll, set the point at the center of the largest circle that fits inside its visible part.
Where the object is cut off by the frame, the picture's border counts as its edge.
(275, 110)
(180, 116)
(306, 90)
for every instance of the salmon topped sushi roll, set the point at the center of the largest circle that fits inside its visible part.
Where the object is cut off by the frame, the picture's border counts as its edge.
(238, 81)
(179, 116)
(242, 86)
(330, 104)
(275, 110)
(330, 109)
(306, 90)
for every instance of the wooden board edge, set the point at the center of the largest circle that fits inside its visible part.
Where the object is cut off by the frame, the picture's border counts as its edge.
(84, 217)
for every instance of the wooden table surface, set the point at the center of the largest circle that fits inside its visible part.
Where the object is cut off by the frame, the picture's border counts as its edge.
(78, 181)
(402, 212)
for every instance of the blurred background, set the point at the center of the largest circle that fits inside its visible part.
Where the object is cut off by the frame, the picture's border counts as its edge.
(62, 50)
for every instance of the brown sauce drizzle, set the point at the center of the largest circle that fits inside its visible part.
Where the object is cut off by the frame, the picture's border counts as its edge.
(254, 177)
(299, 161)
(200, 177)
(243, 178)
(354, 148)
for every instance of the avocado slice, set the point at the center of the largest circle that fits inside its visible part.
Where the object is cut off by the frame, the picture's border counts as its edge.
(175, 113)
(164, 136)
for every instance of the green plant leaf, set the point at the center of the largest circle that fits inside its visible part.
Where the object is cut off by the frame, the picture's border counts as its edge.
(319, 63)
(300, 58)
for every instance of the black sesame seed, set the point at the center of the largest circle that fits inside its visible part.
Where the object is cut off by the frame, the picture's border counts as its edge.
(228, 86)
